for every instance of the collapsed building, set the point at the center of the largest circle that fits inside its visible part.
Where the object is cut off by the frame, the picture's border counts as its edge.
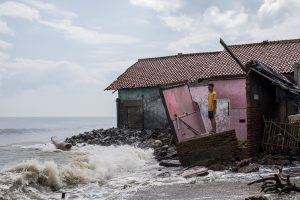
(267, 89)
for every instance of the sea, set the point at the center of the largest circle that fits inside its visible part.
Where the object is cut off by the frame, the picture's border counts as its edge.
(32, 168)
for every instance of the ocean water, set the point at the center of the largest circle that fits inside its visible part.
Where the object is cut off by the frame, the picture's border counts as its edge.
(32, 168)
(16, 130)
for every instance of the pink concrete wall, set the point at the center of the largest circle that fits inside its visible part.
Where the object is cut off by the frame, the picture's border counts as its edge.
(235, 91)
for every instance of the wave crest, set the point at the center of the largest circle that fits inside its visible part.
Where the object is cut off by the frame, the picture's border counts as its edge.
(96, 164)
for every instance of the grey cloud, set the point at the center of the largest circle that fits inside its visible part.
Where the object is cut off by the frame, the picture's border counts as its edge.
(236, 22)
(63, 24)
(26, 74)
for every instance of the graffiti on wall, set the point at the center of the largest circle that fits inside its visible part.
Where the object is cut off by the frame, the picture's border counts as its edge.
(222, 114)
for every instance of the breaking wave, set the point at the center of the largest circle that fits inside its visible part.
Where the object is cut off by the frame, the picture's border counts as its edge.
(94, 164)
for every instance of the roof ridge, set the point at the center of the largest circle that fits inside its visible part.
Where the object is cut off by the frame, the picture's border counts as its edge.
(152, 72)
(216, 52)
(180, 55)
(266, 42)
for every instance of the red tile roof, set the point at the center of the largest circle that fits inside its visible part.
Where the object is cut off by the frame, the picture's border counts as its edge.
(149, 72)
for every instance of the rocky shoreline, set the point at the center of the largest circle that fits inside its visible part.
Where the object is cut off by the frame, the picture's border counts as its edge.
(164, 148)
(160, 140)
(165, 152)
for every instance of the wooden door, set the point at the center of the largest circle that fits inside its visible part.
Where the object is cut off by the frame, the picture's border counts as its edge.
(135, 117)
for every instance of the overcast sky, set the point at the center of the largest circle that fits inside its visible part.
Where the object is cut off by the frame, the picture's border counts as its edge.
(56, 57)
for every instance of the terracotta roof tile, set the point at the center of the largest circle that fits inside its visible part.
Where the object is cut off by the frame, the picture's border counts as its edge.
(149, 72)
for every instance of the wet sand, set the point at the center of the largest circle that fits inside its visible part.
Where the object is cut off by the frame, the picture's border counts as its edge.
(206, 191)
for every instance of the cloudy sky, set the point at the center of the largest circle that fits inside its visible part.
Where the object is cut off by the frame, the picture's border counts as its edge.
(57, 56)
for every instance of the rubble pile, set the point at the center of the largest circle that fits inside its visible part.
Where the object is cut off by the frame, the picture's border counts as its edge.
(159, 140)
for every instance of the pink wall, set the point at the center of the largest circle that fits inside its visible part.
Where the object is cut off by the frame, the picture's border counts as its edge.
(235, 91)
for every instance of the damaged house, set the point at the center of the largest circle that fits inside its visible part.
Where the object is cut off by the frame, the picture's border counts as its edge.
(271, 98)
(139, 103)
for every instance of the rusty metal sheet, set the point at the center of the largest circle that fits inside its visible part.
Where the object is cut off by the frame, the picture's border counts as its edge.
(183, 113)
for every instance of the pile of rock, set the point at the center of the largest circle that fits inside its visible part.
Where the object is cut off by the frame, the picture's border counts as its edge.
(111, 136)
(160, 140)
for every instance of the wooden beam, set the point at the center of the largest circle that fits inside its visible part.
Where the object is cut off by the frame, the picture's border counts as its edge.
(232, 55)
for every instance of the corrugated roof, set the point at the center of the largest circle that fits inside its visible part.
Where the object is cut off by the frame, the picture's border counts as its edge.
(272, 75)
(149, 72)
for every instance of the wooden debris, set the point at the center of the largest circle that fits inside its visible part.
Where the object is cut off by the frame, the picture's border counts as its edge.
(277, 183)
(61, 145)
(195, 171)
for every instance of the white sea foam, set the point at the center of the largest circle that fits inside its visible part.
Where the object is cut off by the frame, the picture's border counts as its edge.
(95, 164)
(49, 147)
(102, 163)
(103, 173)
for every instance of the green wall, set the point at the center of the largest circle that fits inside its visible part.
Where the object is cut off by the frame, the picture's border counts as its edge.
(154, 111)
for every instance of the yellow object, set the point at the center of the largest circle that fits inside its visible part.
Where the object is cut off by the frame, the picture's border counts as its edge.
(212, 104)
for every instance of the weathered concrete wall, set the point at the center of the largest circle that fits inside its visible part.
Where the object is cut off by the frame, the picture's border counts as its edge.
(155, 115)
(235, 91)
(154, 111)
